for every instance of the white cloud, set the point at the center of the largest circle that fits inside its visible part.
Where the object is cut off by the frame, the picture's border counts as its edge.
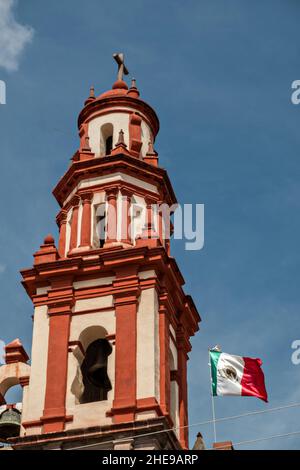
(13, 36)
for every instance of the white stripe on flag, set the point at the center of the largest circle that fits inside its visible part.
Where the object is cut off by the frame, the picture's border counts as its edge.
(225, 386)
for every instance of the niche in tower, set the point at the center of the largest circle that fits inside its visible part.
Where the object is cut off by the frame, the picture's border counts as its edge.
(100, 225)
(95, 379)
(106, 139)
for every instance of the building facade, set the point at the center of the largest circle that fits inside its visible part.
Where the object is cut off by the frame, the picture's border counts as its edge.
(112, 324)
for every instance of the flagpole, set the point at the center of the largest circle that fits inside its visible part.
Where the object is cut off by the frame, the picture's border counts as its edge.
(214, 417)
(212, 401)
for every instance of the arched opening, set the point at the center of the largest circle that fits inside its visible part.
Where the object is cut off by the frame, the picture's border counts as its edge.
(108, 145)
(10, 412)
(173, 390)
(106, 139)
(95, 379)
(14, 394)
(100, 224)
(91, 381)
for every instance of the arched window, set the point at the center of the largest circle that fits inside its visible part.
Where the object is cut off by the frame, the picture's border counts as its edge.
(173, 391)
(94, 372)
(100, 225)
(14, 394)
(108, 145)
(106, 139)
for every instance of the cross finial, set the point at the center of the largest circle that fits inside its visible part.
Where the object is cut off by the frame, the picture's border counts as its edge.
(119, 58)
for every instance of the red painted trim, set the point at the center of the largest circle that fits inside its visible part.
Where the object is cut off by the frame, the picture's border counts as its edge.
(74, 225)
(126, 219)
(135, 134)
(32, 424)
(93, 310)
(164, 348)
(112, 216)
(127, 164)
(2, 400)
(124, 403)
(57, 366)
(106, 103)
(24, 381)
(62, 233)
(183, 405)
(86, 220)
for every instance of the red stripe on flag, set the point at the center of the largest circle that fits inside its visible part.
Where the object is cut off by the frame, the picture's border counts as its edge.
(253, 380)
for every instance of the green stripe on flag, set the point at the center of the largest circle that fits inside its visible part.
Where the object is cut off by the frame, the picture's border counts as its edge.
(214, 357)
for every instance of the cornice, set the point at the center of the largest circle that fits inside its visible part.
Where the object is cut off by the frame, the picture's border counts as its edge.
(101, 104)
(100, 166)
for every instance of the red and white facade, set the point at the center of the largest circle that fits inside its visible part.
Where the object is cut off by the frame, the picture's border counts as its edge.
(125, 288)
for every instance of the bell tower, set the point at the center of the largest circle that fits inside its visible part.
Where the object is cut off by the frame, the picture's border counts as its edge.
(112, 323)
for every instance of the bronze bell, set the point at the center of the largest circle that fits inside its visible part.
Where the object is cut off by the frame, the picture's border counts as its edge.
(94, 371)
(97, 369)
(10, 423)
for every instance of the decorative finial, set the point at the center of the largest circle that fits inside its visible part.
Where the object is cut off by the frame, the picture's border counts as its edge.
(150, 148)
(151, 156)
(49, 240)
(121, 140)
(120, 147)
(86, 147)
(133, 91)
(91, 96)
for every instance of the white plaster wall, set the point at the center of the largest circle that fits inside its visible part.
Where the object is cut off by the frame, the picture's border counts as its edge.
(99, 198)
(172, 331)
(39, 356)
(173, 350)
(100, 281)
(118, 120)
(138, 222)
(42, 290)
(175, 404)
(93, 303)
(68, 231)
(119, 216)
(146, 136)
(118, 177)
(147, 274)
(79, 223)
(145, 415)
(147, 346)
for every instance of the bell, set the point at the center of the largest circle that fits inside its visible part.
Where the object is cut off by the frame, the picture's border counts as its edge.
(10, 423)
(94, 372)
(97, 354)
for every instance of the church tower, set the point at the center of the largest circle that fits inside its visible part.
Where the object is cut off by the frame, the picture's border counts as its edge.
(112, 324)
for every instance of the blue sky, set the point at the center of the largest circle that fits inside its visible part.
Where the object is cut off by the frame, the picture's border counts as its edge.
(219, 75)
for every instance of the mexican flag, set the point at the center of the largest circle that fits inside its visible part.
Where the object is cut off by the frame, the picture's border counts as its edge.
(236, 375)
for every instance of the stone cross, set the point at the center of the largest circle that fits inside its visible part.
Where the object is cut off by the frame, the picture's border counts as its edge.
(119, 58)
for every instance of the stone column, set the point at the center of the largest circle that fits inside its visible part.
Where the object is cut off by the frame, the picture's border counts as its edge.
(126, 236)
(125, 301)
(54, 416)
(86, 220)
(74, 223)
(183, 396)
(112, 216)
(62, 222)
(164, 346)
